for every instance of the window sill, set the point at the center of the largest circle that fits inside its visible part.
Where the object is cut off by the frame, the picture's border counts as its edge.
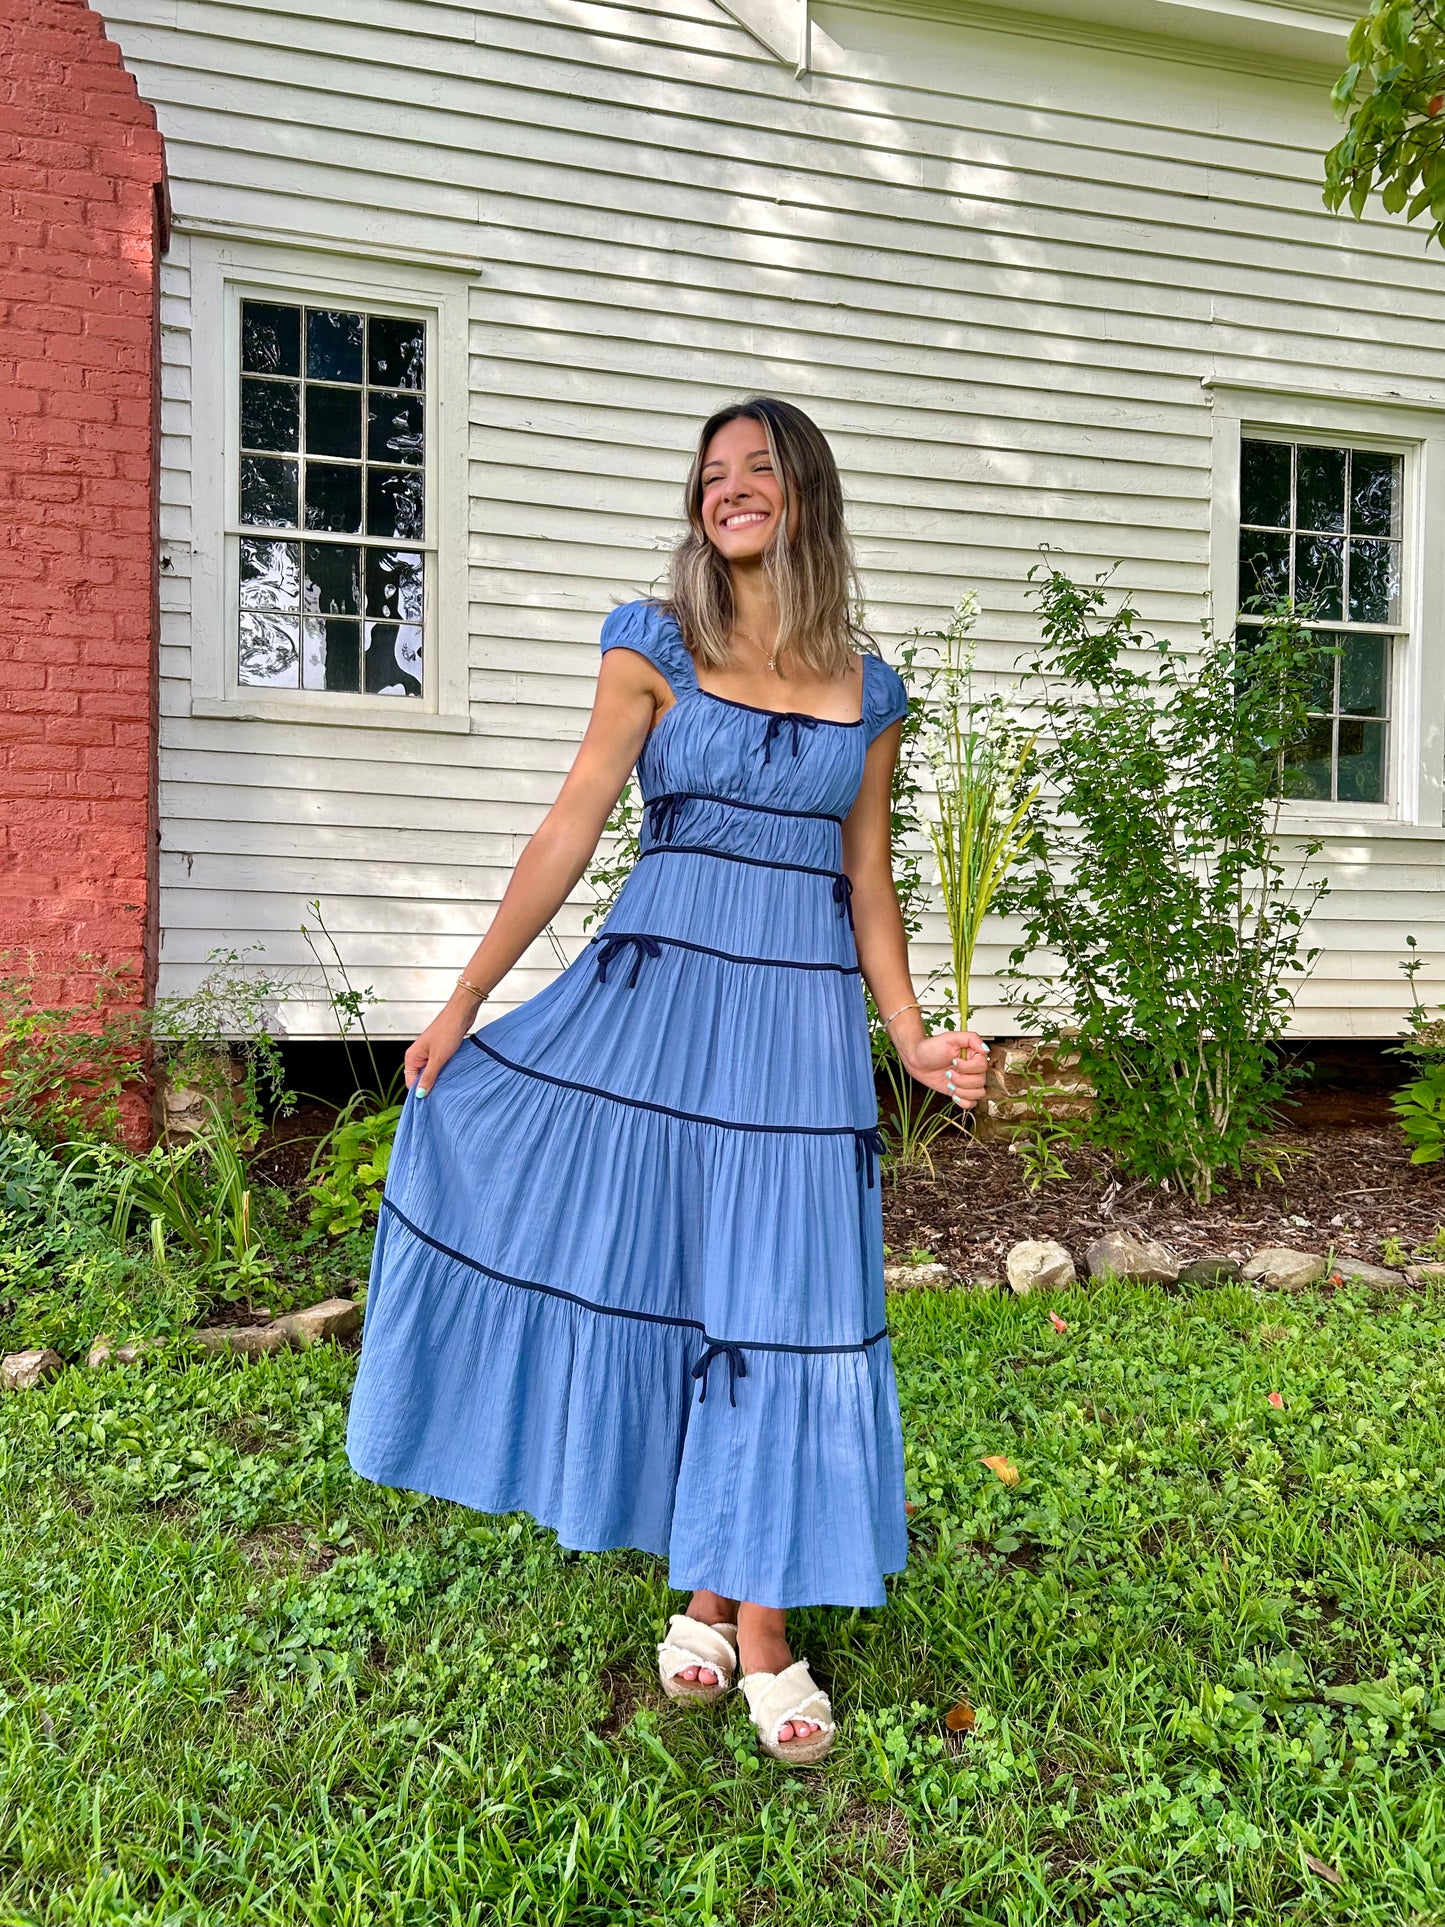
(1361, 827)
(288, 709)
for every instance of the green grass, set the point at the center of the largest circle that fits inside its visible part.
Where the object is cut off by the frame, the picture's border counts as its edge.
(1201, 1635)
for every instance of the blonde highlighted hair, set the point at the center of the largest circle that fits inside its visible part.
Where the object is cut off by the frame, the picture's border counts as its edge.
(814, 577)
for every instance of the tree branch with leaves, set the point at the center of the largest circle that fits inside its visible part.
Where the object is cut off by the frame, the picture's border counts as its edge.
(1393, 96)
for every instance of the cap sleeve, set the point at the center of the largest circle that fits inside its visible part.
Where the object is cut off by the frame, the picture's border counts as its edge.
(885, 696)
(645, 627)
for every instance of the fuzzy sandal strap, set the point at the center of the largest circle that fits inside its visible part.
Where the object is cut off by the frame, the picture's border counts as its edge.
(692, 1642)
(776, 1698)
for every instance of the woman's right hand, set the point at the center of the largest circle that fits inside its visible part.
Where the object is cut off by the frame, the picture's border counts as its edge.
(440, 1040)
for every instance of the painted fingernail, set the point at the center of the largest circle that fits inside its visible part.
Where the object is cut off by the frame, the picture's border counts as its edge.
(420, 1091)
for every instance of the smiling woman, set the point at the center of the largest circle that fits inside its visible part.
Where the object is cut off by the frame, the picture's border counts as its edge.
(658, 1177)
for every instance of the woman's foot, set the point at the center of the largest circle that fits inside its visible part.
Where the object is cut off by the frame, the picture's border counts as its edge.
(763, 1648)
(713, 1610)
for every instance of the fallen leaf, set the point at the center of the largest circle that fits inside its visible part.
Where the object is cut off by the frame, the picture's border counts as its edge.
(1059, 1324)
(960, 1719)
(1332, 1874)
(909, 1507)
(1276, 1399)
(1000, 1465)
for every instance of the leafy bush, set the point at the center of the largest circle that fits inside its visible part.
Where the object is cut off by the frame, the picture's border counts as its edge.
(63, 1276)
(225, 1023)
(197, 1196)
(1153, 875)
(350, 1166)
(1420, 1106)
(64, 1069)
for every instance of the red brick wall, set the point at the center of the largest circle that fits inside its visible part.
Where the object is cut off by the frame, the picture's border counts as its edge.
(82, 225)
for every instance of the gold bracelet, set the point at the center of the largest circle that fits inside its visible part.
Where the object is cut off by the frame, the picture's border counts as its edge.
(480, 995)
(886, 1021)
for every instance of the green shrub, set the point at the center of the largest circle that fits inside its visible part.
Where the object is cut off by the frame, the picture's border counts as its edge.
(1153, 875)
(1420, 1106)
(64, 1069)
(350, 1166)
(64, 1276)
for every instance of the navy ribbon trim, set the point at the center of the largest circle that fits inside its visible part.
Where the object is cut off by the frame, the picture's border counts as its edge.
(612, 947)
(733, 802)
(793, 719)
(531, 1284)
(665, 1110)
(843, 896)
(730, 956)
(715, 1345)
(737, 1368)
(868, 1145)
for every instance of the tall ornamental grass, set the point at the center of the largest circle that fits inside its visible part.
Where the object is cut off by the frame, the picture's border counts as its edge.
(979, 824)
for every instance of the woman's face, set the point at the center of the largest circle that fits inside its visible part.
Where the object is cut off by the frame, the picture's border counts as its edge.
(742, 496)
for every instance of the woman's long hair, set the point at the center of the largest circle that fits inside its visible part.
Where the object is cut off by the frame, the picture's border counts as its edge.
(814, 577)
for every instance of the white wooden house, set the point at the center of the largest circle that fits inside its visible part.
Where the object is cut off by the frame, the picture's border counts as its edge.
(1041, 275)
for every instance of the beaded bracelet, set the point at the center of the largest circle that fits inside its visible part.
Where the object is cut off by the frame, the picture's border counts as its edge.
(886, 1021)
(480, 995)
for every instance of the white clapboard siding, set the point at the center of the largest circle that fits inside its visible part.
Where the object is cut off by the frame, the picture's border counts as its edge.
(998, 269)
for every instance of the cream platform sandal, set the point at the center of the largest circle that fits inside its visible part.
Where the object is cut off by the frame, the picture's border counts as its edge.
(775, 1698)
(692, 1642)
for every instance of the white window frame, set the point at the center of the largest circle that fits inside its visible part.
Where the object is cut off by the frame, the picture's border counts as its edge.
(1415, 431)
(223, 274)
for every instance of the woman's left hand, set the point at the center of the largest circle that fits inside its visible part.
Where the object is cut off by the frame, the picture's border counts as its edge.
(954, 1062)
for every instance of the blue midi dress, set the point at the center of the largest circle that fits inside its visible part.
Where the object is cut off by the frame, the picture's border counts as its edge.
(628, 1274)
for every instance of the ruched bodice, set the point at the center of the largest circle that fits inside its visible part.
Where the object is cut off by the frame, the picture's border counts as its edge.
(665, 1159)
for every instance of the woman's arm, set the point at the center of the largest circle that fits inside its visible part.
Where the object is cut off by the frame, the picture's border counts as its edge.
(630, 691)
(883, 946)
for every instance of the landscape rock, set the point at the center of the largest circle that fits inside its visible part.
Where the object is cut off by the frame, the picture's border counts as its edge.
(1211, 1270)
(337, 1318)
(1280, 1269)
(1354, 1271)
(251, 1341)
(105, 1351)
(916, 1277)
(1137, 1261)
(1039, 1264)
(24, 1371)
(1425, 1274)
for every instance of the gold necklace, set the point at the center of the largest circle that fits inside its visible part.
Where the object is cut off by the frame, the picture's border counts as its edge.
(772, 655)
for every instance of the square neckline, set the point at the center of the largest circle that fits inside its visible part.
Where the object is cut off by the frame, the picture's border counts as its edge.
(758, 709)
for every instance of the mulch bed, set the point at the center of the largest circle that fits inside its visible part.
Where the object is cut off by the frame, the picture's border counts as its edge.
(1349, 1186)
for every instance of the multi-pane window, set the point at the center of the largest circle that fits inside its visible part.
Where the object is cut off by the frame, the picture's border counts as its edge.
(1322, 526)
(332, 500)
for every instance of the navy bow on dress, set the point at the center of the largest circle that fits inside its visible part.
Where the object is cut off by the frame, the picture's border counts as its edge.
(780, 720)
(612, 947)
(662, 815)
(843, 896)
(737, 1368)
(867, 1144)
